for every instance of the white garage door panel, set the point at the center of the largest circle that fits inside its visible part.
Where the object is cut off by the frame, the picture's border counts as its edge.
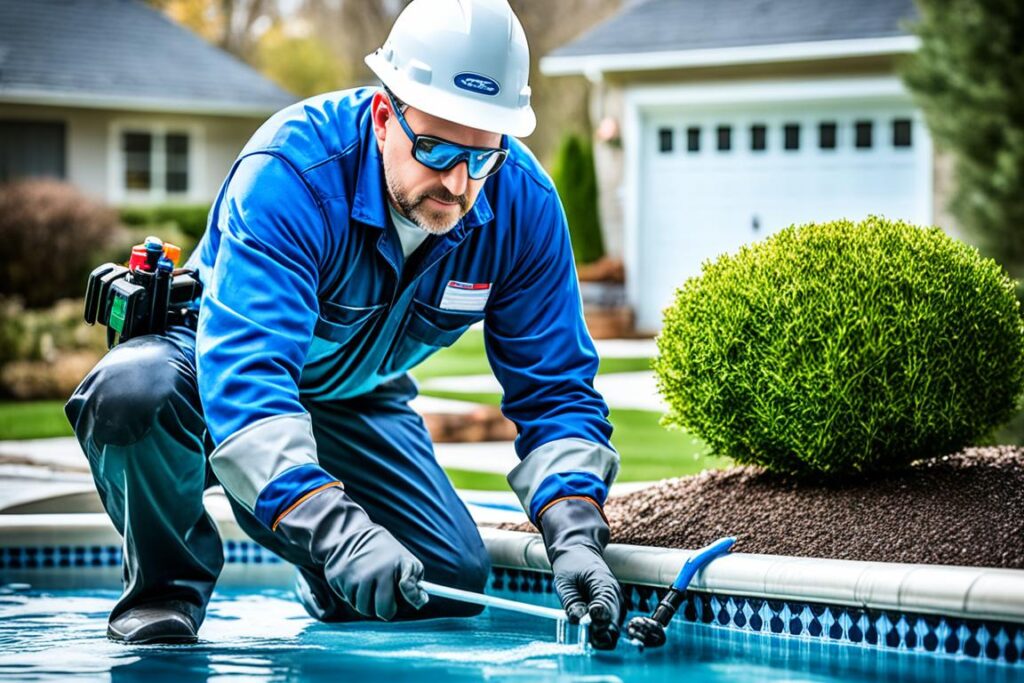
(697, 205)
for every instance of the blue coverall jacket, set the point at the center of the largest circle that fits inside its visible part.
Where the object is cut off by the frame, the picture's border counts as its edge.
(306, 293)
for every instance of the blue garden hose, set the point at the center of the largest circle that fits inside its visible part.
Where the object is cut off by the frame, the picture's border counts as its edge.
(650, 631)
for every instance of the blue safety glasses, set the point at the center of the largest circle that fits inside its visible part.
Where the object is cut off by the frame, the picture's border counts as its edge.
(440, 154)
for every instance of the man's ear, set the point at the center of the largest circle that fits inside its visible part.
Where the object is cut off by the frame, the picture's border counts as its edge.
(380, 113)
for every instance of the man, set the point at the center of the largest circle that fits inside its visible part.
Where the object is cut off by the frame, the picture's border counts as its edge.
(357, 233)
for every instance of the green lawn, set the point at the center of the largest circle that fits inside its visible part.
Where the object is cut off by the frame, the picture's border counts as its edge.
(648, 450)
(477, 481)
(33, 420)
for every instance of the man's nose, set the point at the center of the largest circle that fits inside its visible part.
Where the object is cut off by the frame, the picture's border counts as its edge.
(456, 179)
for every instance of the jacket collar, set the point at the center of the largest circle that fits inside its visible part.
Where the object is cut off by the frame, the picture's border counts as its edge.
(369, 205)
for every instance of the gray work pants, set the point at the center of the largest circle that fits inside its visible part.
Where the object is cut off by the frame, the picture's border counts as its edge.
(139, 420)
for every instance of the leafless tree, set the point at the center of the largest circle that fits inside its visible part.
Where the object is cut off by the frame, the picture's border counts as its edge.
(354, 28)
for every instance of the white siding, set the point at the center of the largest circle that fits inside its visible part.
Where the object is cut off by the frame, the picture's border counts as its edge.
(92, 145)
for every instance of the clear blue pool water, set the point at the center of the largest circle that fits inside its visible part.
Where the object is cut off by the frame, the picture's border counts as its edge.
(264, 635)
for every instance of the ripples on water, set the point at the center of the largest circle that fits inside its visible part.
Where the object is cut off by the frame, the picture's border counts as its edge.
(267, 636)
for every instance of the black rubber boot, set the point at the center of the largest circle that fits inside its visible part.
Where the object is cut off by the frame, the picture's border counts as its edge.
(152, 624)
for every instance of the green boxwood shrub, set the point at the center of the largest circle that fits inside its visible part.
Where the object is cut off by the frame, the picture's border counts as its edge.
(842, 348)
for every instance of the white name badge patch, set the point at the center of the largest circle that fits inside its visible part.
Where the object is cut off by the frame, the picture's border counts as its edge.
(465, 296)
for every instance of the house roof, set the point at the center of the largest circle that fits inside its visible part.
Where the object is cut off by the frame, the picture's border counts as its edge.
(655, 34)
(121, 54)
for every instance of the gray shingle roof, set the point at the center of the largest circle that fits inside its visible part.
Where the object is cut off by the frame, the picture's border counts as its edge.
(673, 25)
(125, 53)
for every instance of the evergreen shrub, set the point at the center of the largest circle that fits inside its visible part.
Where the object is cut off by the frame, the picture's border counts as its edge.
(968, 78)
(576, 180)
(842, 348)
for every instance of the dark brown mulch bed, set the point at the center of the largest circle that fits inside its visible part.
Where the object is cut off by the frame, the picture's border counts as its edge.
(963, 509)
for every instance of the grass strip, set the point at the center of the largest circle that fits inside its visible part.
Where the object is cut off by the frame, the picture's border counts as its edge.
(21, 420)
(648, 450)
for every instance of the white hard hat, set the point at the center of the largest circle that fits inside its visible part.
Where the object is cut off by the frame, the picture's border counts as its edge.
(466, 61)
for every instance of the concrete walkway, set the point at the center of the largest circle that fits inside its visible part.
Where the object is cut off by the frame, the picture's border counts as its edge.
(62, 453)
(66, 455)
(626, 348)
(430, 404)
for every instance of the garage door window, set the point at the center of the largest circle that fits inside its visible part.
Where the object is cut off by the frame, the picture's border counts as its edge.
(664, 140)
(791, 136)
(863, 134)
(693, 139)
(724, 138)
(827, 135)
(758, 137)
(901, 133)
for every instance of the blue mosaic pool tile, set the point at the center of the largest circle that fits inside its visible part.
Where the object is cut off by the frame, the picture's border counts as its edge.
(814, 625)
(46, 557)
(743, 612)
(936, 635)
(248, 552)
(705, 608)
(689, 609)
(51, 557)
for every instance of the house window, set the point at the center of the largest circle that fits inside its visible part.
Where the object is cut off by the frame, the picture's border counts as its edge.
(758, 137)
(862, 135)
(30, 149)
(724, 138)
(664, 139)
(827, 135)
(693, 139)
(791, 136)
(901, 133)
(156, 162)
(138, 160)
(177, 162)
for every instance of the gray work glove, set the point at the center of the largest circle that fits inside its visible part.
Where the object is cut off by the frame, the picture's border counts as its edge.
(575, 535)
(362, 562)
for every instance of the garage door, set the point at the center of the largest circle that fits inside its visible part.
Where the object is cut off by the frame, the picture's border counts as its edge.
(713, 179)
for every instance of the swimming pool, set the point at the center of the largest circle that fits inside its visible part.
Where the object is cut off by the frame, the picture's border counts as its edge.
(748, 618)
(262, 634)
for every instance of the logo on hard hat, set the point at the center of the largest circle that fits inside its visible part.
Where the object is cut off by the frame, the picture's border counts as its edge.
(477, 83)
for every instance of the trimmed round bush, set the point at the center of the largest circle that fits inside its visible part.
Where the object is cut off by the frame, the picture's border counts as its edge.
(843, 348)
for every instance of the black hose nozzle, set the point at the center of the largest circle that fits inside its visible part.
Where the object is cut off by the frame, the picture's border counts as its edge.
(650, 631)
